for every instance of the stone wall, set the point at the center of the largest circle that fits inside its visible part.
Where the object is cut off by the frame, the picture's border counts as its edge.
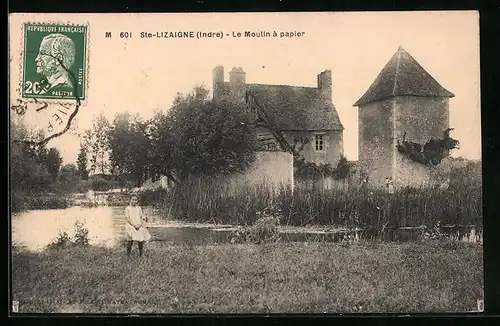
(382, 123)
(273, 169)
(422, 118)
(332, 142)
(376, 149)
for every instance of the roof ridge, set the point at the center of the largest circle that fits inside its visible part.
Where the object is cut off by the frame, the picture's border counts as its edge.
(283, 85)
(403, 75)
(296, 107)
(397, 70)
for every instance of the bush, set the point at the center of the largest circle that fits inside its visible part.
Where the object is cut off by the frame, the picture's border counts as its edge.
(81, 235)
(466, 175)
(25, 201)
(44, 201)
(118, 199)
(100, 184)
(264, 230)
(152, 197)
(84, 186)
(311, 171)
(63, 240)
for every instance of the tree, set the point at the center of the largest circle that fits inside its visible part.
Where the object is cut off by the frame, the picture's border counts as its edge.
(91, 147)
(96, 142)
(201, 137)
(119, 136)
(82, 162)
(69, 177)
(138, 159)
(129, 147)
(160, 134)
(53, 162)
(26, 173)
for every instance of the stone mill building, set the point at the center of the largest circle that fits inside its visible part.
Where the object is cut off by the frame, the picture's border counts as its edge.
(403, 101)
(287, 118)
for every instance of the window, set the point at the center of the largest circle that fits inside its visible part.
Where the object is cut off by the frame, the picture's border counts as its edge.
(319, 143)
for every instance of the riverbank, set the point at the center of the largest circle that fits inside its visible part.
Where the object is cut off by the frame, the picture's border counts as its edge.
(426, 276)
(26, 201)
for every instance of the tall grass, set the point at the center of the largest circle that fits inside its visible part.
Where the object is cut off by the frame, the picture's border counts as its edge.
(208, 200)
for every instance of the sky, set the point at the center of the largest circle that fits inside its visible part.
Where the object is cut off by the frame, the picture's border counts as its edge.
(141, 75)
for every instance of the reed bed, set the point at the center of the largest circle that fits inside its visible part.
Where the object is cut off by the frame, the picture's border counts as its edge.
(216, 201)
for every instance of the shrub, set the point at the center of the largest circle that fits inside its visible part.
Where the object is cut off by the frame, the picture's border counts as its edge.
(152, 197)
(25, 201)
(432, 152)
(100, 184)
(311, 171)
(118, 199)
(63, 240)
(264, 230)
(44, 201)
(81, 235)
(84, 186)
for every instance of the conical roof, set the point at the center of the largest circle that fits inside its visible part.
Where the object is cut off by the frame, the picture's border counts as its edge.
(403, 76)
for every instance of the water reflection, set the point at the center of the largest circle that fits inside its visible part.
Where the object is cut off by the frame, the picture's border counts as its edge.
(36, 229)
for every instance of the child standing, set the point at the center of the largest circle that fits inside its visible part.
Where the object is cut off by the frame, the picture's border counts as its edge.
(134, 227)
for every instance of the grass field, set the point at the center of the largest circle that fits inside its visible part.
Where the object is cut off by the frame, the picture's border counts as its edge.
(427, 276)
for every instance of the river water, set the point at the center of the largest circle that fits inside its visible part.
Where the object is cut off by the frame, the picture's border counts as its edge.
(34, 230)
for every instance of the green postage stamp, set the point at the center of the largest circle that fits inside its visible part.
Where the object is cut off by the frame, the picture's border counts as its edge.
(54, 62)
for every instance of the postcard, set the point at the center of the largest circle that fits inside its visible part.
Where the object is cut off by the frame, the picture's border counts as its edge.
(321, 162)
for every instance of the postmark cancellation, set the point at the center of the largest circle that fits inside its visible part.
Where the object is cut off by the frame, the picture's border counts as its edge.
(53, 76)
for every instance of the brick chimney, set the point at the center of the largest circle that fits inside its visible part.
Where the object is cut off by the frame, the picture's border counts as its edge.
(237, 84)
(218, 82)
(325, 85)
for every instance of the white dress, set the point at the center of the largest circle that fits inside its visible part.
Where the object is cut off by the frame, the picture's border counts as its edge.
(136, 217)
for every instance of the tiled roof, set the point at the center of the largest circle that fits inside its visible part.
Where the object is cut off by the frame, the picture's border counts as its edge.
(296, 108)
(403, 76)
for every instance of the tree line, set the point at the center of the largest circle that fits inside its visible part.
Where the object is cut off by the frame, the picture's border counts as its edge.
(196, 136)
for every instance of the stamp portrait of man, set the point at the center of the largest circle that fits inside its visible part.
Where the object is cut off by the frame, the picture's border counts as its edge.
(55, 57)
